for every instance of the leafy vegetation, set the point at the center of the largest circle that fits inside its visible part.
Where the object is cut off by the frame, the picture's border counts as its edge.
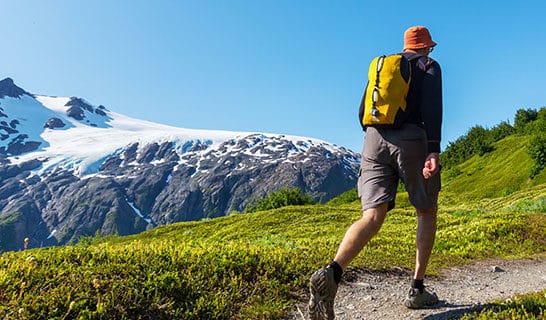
(529, 306)
(523, 117)
(280, 198)
(345, 198)
(537, 152)
(477, 141)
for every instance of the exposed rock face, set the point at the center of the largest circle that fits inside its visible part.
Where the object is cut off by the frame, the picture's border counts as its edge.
(146, 183)
(9, 89)
(54, 123)
(143, 187)
(16, 142)
(18, 145)
(85, 113)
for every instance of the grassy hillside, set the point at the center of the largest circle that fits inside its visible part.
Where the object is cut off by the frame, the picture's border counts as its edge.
(254, 266)
(495, 174)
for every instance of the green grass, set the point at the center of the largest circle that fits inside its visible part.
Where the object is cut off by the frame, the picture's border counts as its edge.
(530, 306)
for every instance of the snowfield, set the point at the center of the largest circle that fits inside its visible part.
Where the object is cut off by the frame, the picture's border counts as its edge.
(83, 145)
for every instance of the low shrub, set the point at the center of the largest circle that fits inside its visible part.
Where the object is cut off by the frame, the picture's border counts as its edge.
(281, 198)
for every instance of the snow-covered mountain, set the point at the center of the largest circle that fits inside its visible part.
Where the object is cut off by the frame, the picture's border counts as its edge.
(70, 169)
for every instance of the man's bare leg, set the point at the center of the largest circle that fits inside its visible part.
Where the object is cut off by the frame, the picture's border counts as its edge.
(359, 233)
(426, 233)
(418, 297)
(324, 282)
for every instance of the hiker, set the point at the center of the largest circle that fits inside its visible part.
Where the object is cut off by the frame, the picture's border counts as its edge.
(407, 152)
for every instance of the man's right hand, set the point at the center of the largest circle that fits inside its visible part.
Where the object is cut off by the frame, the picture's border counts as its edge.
(432, 165)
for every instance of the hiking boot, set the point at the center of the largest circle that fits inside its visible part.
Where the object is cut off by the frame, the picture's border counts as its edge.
(323, 289)
(417, 299)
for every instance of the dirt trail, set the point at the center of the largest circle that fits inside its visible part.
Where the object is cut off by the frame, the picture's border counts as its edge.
(379, 295)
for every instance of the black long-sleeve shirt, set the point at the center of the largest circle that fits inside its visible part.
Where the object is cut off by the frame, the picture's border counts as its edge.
(425, 98)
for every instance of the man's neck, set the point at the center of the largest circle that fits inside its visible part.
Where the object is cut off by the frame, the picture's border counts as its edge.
(423, 51)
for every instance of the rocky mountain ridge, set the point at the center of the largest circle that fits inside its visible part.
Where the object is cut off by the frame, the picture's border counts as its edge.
(71, 169)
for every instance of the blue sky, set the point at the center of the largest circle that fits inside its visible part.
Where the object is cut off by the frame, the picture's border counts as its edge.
(285, 66)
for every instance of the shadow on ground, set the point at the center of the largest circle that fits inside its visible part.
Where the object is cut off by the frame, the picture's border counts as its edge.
(457, 311)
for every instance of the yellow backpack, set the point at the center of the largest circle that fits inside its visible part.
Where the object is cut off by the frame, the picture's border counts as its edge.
(384, 100)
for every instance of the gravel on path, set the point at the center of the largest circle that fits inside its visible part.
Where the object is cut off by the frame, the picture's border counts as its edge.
(461, 290)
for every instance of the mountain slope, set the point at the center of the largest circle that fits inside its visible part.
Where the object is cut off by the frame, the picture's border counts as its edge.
(71, 169)
(498, 173)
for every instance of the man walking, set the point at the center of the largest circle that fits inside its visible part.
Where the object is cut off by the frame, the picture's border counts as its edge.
(409, 152)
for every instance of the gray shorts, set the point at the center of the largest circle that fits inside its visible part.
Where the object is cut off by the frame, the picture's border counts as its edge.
(390, 155)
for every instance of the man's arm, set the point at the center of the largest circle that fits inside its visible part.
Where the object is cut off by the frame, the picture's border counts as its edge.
(431, 106)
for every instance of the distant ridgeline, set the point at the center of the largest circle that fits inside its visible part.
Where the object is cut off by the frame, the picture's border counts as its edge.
(479, 140)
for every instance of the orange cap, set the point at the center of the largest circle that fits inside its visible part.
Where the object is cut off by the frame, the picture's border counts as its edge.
(417, 37)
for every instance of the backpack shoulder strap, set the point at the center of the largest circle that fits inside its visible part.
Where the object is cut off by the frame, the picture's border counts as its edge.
(418, 59)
